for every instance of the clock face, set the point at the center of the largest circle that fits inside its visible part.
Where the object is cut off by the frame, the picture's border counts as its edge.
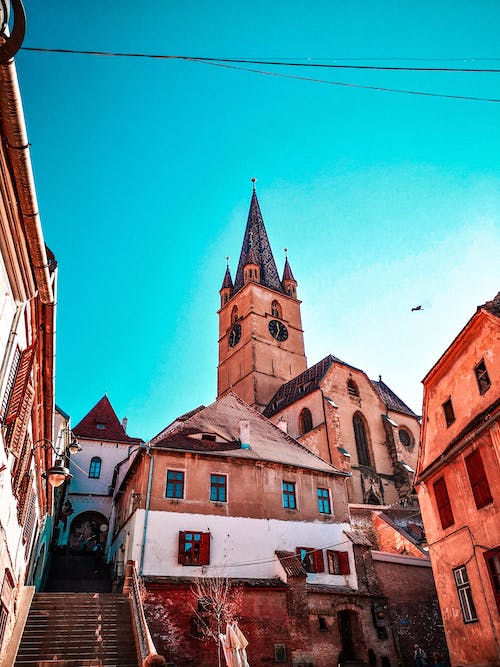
(278, 330)
(235, 335)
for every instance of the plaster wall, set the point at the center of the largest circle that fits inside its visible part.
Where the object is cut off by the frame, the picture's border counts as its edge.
(110, 454)
(239, 547)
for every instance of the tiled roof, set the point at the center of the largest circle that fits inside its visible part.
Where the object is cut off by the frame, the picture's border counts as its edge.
(301, 385)
(392, 402)
(228, 281)
(221, 420)
(492, 306)
(291, 564)
(256, 248)
(176, 422)
(358, 538)
(287, 272)
(101, 423)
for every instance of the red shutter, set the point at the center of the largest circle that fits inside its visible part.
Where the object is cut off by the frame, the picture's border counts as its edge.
(478, 480)
(20, 426)
(492, 559)
(344, 562)
(443, 503)
(318, 561)
(20, 384)
(205, 549)
(180, 557)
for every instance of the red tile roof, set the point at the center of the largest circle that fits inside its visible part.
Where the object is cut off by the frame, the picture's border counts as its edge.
(492, 306)
(101, 423)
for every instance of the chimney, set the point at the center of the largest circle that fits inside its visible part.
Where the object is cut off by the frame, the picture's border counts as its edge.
(124, 424)
(245, 434)
(282, 425)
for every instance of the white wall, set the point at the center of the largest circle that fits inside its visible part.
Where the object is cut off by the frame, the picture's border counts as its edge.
(110, 454)
(239, 547)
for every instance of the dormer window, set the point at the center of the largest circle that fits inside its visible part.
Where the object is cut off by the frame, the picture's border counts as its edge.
(482, 377)
(101, 425)
(352, 389)
(276, 309)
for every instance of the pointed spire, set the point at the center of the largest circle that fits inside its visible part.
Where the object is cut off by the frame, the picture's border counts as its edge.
(287, 271)
(256, 249)
(288, 281)
(228, 281)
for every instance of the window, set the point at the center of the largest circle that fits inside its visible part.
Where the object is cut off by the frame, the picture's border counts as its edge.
(175, 484)
(275, 309)
(5, 602)
(352, 388)
(311, 559)
(449, 415)
(234, 314)
(218, 488)
(322, 623)
(338, 562)
(478, 480)
(324, 501)
(194, 548)
(279, 653)
(101, 426)
(405, 438)
(465, 594)
(361, 440)
(305, 421)
(482, 377)
(289, 500)
(492, 558)
(95, 468)
(443, 503)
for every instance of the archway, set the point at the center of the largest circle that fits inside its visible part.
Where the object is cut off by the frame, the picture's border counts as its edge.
(351, 635)
(88, 532)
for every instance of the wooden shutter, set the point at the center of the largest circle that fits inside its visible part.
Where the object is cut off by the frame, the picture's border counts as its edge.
(318, 561)
(344, 562)
(20, 426)
(180, 558)
(10, 380)
(21, 382)
(443, 503)
(29, 521)
(478, 480)
(492, 558)
(205, 549)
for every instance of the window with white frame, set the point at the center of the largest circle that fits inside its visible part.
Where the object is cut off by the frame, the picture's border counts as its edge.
(465, 594)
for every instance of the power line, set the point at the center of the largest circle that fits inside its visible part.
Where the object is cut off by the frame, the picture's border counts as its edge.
(251, 61)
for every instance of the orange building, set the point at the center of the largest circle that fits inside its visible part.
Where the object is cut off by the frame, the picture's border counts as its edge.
(458, 486)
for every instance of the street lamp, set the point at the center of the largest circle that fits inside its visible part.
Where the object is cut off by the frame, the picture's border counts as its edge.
(58, 473)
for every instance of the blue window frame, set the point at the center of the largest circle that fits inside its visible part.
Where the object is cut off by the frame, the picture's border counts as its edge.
(95, 468)
(175, 484)
(218, 488)
(324, 501)
(289, 499)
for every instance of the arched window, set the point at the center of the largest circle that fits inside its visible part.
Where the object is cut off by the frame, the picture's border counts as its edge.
(95, 468)
(234, 314)
(405, 438)
(361, 440)
(305, 421)
(352, 388)
(275, 309)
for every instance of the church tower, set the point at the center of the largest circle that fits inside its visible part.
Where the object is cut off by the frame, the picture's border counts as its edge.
(261, 342)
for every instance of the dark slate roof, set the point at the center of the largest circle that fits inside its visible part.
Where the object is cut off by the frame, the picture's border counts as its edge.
(102, 413)
(287, 272)
(228, 281)
(392, 402)
(257, 250)
(492, 306)
(301, 385)
(291, 563)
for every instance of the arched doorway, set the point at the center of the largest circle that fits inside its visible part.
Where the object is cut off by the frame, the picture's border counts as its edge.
(351, 635)
(88, 532)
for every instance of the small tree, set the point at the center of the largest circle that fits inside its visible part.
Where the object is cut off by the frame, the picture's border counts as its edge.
(218, 601)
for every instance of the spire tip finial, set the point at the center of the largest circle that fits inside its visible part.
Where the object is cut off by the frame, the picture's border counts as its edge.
(286, 251)
(227, 261)
(253, 179)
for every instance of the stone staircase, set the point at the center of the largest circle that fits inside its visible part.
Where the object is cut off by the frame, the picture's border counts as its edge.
(77, 630)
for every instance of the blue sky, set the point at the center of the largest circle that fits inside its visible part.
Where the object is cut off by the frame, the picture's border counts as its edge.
(142, 167)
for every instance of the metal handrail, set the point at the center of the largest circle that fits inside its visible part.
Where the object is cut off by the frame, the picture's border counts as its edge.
(131, 587)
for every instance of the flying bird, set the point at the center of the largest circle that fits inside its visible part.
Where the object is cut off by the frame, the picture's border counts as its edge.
(416, 308)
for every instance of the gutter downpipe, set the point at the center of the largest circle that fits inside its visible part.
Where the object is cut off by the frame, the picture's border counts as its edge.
(18, 149)
(326, 427)
(148, 498)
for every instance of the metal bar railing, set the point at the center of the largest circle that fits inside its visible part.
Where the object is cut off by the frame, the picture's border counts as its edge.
(131, 587)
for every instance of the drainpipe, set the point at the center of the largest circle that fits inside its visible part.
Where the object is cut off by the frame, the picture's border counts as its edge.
(18, 149)
(148, 497)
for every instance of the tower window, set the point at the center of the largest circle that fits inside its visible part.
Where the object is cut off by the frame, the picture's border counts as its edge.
(449, 414)
(234, 314)
(305, 421)
(361, 440)
(95, 468)
(352, 388)
(443, 503)
(482, 377)
(276, 309)
(405, 438)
